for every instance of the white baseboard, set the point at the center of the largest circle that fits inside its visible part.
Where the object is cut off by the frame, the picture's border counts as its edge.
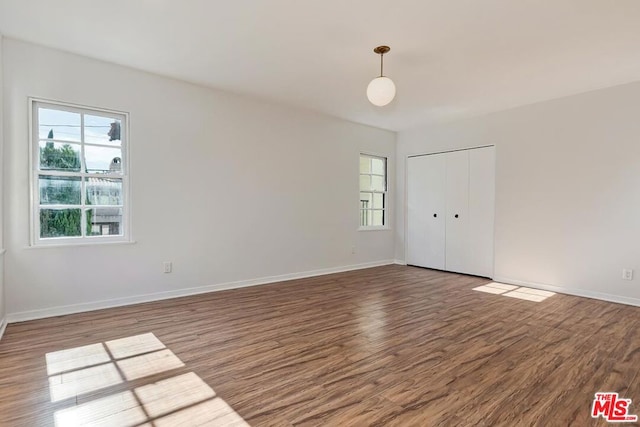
(117, 302)
(399, 262)
(571, 291)
(3, 327)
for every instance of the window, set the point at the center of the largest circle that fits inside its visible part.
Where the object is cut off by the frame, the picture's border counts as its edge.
(373, 191)
(79, 174)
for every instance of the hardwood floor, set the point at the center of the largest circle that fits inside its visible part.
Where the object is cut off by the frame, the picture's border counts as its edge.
(392, 346)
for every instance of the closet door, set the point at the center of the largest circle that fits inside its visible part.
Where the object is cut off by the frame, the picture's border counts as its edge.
(481, 210)
(457, 211)
(426, 211)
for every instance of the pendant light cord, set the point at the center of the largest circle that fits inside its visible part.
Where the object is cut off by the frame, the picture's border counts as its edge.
(381, 62)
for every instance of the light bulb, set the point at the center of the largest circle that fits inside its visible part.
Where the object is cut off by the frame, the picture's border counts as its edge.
(381, 91)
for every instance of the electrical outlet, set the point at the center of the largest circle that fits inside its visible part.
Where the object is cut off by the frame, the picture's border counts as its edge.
(627, 274)
(167, 266)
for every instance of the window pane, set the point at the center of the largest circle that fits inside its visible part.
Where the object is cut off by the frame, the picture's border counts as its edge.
(377, 183)
(377, 218)
(103, 159)
(365, 164)
(104, 221)
(59, 223)
(59, 156)
(102, 130)
(58, 124)
(378, 201)
(377, 166)
(59, 190)
(365, 182)
(103, 191)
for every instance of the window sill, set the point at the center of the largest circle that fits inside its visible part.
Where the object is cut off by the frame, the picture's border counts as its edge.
(84, 244)
(382, 228)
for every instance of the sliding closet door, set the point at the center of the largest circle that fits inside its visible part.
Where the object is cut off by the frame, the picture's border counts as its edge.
(450, 210)
(457, 211)
(426, 211)
(481, 210)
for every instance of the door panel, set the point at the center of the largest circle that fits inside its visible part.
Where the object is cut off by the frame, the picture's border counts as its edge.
(481, 210)
(457, 208)
(426, 211)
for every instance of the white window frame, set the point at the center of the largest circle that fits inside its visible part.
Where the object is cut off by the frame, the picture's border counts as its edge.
(385, 193)
(34, 155)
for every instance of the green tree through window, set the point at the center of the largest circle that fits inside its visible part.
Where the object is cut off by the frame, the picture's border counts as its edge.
(59, 222)
(62, 158)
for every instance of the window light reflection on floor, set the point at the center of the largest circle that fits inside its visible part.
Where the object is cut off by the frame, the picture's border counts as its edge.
(214, 412)
(180, 400)
(134, 345)
(183, 399)
(148, 364)
(81, 370)
(76, 358)
(120, 409)
(79, 382)
(520, 292)
(172, 394)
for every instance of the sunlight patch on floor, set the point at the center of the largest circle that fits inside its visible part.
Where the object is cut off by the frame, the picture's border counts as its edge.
(74, 383)
(117, 409)
(520, 292)
(149, 364)
(81, 370)
(76, 358)
(183, 399)
(214, 412)
(172, 394)
(133, 346)
(180, 400)
(495, 288)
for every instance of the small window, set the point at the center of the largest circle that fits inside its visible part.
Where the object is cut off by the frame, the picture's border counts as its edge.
(79, 174)
(373, 191)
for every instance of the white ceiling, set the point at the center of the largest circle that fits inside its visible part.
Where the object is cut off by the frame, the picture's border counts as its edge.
(449, 58)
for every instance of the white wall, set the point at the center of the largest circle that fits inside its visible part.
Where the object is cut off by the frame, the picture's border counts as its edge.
(228, 188)
(567, 189)
(2, 303)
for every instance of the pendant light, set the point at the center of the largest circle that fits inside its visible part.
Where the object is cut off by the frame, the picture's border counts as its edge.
(381, 90)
